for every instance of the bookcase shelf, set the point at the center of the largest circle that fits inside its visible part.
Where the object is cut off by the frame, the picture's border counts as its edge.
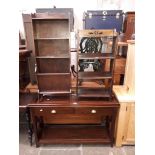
(96, 56)
(56, 38)
(94, 75)
(54, 57)
(93, 92)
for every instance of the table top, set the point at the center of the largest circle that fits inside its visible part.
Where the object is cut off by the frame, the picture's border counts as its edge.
(31, 100)
(122, 94)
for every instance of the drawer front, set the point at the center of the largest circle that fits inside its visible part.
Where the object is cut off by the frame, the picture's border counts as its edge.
(73, 119)
(94, 111)
(72, 115)
(48, 111)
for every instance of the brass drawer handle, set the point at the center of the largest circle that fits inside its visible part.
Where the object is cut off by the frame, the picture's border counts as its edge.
(53, 111)
(93, 111)
(41, 110)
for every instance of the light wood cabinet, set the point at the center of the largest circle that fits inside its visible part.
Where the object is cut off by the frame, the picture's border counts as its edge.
(125, 129)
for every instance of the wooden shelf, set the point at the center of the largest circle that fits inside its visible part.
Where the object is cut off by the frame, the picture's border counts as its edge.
(42, 74)
(53, 57)
(74, 134)
(96, 56)
(50, 18)
(94, 75)
(54, 92)
(91, 85)
(98, 92)
(56, 38)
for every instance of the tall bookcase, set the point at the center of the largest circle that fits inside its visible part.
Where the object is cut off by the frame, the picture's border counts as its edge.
(51, 36)
(97, 48)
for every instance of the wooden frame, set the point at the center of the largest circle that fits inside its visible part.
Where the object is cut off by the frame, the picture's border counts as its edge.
(50, 34)
(103, 56)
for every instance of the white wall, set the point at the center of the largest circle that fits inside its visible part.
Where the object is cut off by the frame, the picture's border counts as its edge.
(79, 6)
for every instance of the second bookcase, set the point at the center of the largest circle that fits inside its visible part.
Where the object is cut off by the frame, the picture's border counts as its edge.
(52, 52)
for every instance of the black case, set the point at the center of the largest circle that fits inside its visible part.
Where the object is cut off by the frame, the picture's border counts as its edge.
(103, 19)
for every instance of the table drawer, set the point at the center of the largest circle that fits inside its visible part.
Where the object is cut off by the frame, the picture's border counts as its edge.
(94, 110)
(72, 115)
(43, 111)
(73, 119)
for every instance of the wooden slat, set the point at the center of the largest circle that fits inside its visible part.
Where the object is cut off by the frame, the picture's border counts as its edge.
(129, 79)
(94, 75)
(49, 15)
(29, 32)
(54, 56)
(42, 74)
(96, 56)
(97, 33)
(54, 92)
(93, 93)
(58, 38)
(91, 85)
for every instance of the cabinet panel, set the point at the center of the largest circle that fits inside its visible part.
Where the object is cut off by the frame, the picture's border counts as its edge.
(120, 124)
(52, 47)
(125, 133)
(129, 25)
(59, 10)
(54, 83)
(47, 65)
(129, 79)
(130, 132)
(47, 28)
(119, 65)
(28, 28)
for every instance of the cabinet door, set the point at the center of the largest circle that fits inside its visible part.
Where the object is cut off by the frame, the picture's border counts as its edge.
(125, 133)
(129, 133)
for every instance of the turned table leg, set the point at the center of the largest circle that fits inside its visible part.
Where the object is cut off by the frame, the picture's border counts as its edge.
(28, 118)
